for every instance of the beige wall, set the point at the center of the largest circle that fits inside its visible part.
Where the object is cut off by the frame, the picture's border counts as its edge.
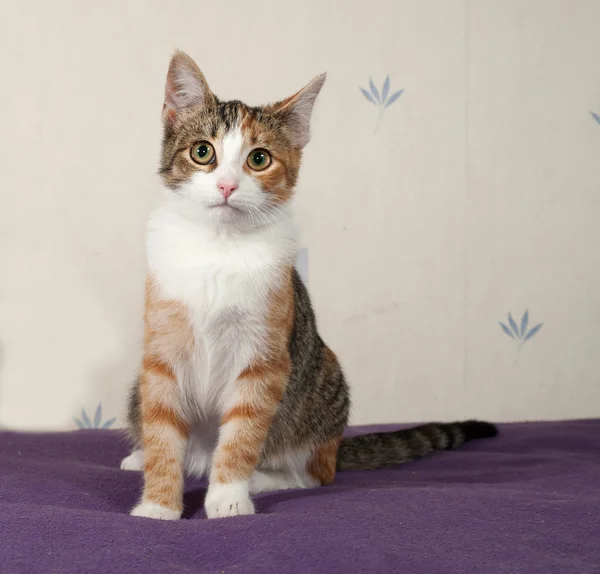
(477, 195)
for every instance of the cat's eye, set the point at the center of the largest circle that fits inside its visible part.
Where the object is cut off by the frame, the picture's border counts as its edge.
(259, 159)
(203, 153)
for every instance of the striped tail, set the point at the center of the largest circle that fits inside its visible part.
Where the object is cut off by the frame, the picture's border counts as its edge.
(377, 450)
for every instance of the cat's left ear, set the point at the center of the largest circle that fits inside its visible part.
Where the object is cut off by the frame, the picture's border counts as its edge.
(295, 111)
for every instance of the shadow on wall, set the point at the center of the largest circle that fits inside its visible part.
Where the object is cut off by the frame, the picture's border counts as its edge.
(120, 294)
(302, 265)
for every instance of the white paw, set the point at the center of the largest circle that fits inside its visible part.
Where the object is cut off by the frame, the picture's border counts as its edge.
(135, 461)
(152, 510)
(228, 500)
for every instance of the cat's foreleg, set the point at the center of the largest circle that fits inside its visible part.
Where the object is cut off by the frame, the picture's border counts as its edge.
(244, 426)
(165, 436)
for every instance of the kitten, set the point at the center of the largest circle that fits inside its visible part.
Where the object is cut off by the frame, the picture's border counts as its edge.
(236, 382)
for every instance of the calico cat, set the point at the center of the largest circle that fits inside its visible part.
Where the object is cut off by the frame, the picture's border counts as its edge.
(236, 383)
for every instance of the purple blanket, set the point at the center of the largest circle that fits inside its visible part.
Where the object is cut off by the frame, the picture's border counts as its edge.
(527, 501)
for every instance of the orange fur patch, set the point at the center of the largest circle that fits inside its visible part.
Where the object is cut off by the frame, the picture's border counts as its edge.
(168, 334)
(168, 339)
(323, 462)
(275, 392)
(152, 363)
(241, 411)
(279, 179)
(260, 388)
(164, 485)
(250, 128)
(280, 318)
(158, 414)
(242, 460)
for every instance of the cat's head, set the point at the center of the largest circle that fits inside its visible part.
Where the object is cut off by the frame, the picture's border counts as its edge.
(230, 163)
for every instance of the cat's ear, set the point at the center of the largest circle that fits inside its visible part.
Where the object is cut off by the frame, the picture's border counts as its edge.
(186, 86)
(296, 111)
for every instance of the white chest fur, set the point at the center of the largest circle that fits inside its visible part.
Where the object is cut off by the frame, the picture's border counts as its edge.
(224, 280)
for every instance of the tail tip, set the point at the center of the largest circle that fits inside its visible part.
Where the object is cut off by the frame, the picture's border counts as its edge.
(478, 429)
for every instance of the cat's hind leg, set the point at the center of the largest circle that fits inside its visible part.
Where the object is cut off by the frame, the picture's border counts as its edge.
(135, 461)
(270, 480)
(296, 469)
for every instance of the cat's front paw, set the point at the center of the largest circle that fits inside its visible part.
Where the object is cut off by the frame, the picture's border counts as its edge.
(156, 511)
(228, 500)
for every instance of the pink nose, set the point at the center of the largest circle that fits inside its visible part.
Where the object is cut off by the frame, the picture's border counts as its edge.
(227, 187)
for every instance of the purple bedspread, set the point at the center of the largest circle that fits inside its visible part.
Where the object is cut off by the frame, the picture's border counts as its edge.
(527, 501)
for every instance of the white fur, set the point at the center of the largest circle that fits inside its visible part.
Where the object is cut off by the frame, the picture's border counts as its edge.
(232, 499)
(249, 209)
(152, 510)
(224, 280)
(222, 264)
(135, 461)
(222, 268)
(268, 480)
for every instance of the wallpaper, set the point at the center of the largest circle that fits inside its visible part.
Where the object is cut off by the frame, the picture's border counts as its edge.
(448, 200)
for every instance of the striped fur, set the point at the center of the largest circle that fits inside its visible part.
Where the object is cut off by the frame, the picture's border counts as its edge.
(236, 383)
(379, 450)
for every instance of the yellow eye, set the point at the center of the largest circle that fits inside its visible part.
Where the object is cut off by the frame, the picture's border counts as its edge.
(259, 159)
(203, 153)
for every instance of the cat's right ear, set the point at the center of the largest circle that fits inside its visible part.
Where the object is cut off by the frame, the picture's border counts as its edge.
(185, 88)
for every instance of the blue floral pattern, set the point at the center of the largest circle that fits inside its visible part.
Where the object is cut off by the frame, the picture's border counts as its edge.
(380, 99)
(86, 423)
(521, 334)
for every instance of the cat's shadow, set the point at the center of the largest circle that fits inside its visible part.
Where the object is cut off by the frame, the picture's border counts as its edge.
(267, 501)
(193, 500)
(399, 477)
(193, 503)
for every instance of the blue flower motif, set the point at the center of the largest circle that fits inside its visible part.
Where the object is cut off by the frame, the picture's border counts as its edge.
(85, 423)
(596, 117)
(380, 100)
(521, 334)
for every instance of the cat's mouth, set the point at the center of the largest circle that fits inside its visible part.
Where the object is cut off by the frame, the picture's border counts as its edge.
(224, 205)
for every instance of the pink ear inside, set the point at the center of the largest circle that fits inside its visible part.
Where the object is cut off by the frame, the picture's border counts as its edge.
(297, 111)
(185, 87)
